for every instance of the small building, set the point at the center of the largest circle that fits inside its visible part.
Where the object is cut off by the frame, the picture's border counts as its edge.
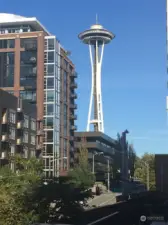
(161, 172)
(17, 127)
(101, 152)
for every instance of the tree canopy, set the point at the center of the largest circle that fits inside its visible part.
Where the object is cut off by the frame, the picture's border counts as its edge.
(26, 199)
(81, 175)
(141, 169)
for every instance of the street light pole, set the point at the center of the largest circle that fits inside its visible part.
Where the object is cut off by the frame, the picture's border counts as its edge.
(93, 164)
(147, 172)
(108, 167)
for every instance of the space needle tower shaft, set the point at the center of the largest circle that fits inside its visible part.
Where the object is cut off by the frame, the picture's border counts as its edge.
(96, 37)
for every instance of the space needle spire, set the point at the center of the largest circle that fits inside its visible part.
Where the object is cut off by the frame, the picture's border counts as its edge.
(96, 37)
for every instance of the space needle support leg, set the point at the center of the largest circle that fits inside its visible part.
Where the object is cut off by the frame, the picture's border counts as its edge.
(99, 94)
(91, 94)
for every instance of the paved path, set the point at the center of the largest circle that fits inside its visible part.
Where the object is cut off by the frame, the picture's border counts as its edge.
(102, 200)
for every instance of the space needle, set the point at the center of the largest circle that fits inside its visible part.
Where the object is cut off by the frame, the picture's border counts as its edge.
(96, 37)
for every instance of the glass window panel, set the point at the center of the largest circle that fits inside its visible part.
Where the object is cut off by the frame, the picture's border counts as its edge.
(7, 43)
(50, 57)
(49, 148)
(49, 136)
(50, 83)
(50, 70)
(50, 44)
(50, 96)
(49, 122)
(50, 109)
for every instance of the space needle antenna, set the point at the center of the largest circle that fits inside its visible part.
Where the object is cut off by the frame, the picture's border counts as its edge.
(96, 18)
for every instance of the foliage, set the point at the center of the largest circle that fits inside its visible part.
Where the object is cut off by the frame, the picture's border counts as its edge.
(81, 175)
(24, 198)
(15, 188)
(60, 200)
(131, 160)
(141, 169)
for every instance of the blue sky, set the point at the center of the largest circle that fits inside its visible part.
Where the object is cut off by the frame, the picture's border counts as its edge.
(134, 63)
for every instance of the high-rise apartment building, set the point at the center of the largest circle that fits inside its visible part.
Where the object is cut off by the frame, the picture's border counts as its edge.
(34, 66)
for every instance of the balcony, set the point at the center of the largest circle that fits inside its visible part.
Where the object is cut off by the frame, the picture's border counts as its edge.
(73, 95)
(4, 137)
(4, 155)
(73, 117)
(73, 106)
(73, 85)
(18, 141)
(73, 127)
(40, 132)
(39, 147)
(19, 125)
(74, 75)
(4, 118)
(20, 114)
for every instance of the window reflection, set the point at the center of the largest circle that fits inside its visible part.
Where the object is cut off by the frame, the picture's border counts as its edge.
(50, 57)
(50, 109)
(50, 44)
(7, 43)
(50, 83)
(7, 60)
(50, 96)
(48, 122)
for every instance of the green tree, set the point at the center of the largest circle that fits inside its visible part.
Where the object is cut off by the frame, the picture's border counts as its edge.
(141, 169)
(81, 175)
(24, 199)
(16, 189)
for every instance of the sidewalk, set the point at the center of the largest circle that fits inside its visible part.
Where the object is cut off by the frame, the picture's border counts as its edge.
(103, 199)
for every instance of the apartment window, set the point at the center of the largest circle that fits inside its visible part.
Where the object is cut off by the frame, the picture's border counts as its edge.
(33, 140)
(50, 82)
(50, 70)
(26, 121)
(25, 137)
(50, 136)
(50, 57)
(12, 150)
(50, 96)
(12, 133)
(49, 122)
(50, 109)
(7, 43)
(49, 148)
(28, 43)
(33, 124)
(50, 44)
(12, 117)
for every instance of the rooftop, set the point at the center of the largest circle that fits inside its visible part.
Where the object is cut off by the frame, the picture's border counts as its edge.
(10, 19)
